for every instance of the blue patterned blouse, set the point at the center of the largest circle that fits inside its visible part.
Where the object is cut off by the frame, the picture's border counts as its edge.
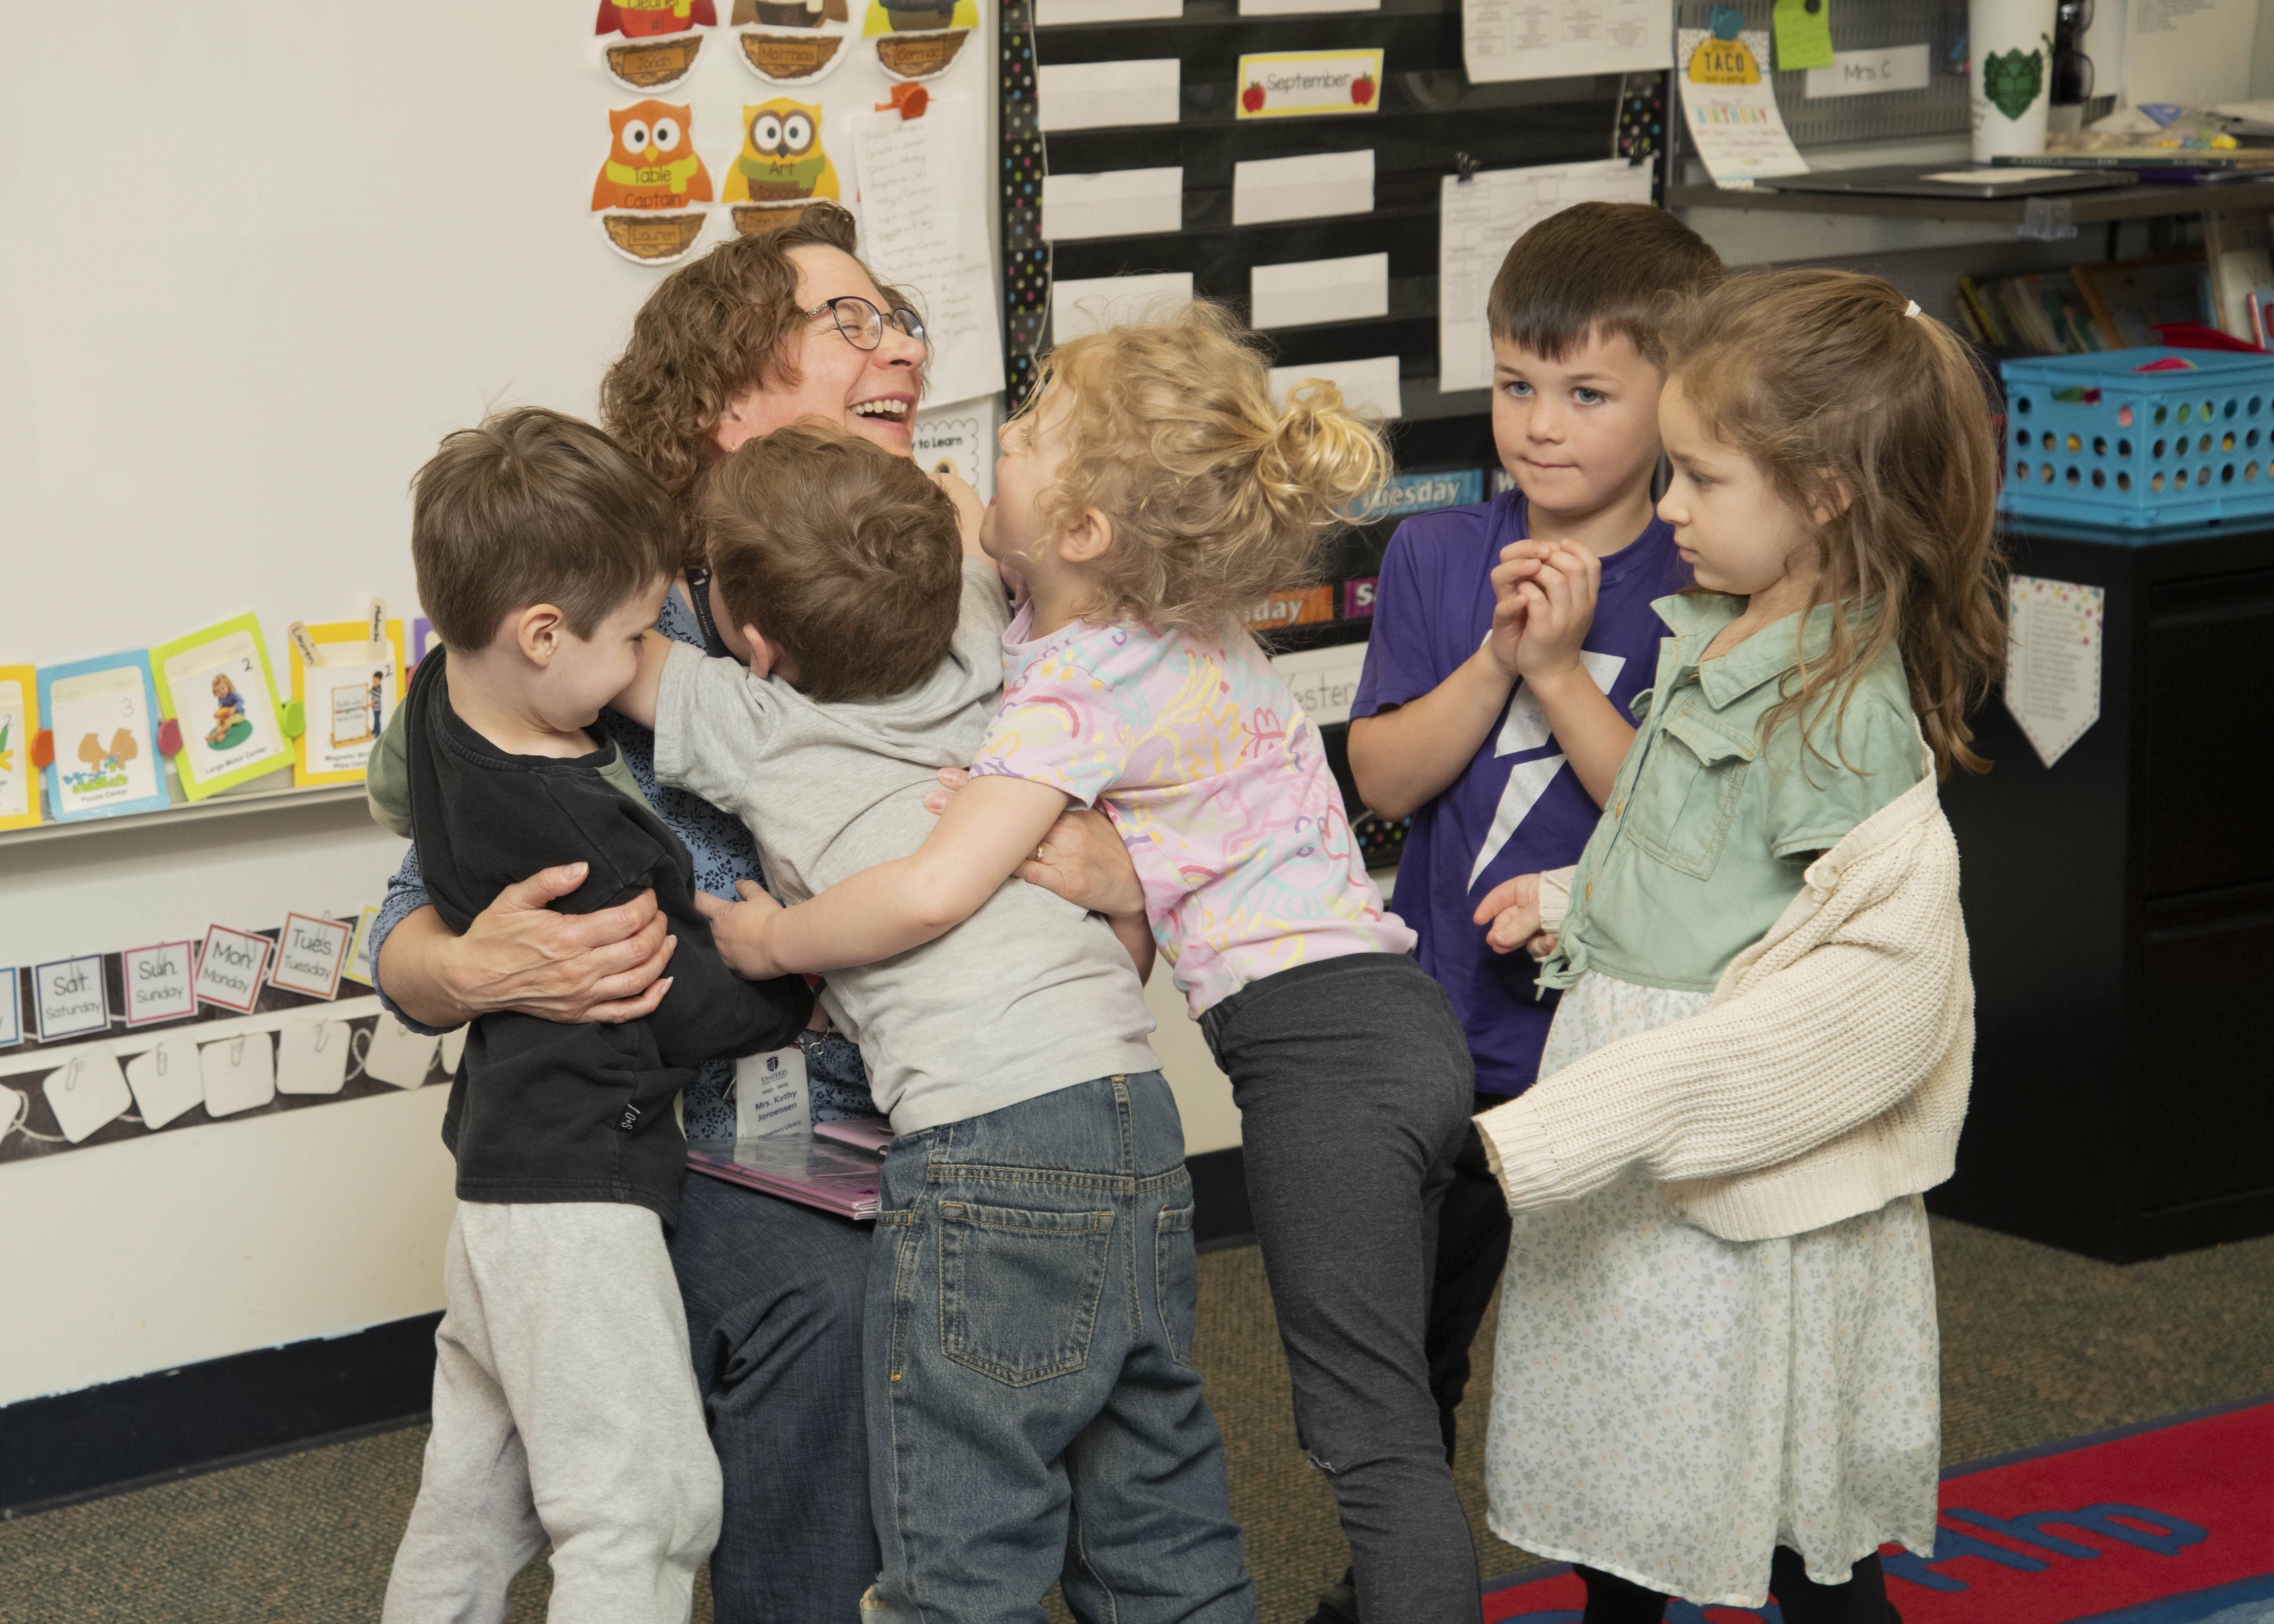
(723, 854)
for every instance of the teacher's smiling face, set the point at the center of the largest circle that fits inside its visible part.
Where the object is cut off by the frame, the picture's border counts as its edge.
(872, 392)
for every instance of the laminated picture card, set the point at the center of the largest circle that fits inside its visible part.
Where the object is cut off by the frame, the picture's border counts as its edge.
(217, 685)
(345, 699)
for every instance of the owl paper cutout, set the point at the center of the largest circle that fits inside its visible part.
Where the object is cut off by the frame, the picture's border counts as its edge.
(653, 164)
(782, 160)
(645, 19)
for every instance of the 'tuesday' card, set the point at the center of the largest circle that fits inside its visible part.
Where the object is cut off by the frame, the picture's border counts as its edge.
(312, 953)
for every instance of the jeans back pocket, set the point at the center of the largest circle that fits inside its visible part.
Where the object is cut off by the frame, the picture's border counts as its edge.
(1018, 1290)
(1685, 796)
(1176, 1280)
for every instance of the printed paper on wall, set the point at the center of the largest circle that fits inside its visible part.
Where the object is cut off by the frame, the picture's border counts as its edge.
(345, 701)
(217, 684)
(20, 722)
(103, 714)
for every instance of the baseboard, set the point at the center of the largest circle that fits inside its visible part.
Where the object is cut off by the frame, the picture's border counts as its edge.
(173, 1424)
(1221, 1215)
(225, 1412)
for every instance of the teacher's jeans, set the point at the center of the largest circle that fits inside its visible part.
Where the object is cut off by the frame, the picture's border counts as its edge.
(773, 1294)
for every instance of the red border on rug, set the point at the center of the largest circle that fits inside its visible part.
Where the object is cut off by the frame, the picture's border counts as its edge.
(2052, 1535)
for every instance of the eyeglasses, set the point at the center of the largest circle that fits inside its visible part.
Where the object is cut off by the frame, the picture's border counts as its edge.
(863, 324)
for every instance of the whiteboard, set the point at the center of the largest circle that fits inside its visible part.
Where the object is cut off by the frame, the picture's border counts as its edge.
(256, 262)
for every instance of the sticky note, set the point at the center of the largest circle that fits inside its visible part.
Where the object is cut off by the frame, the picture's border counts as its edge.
(87, 1094)
(1313, 290)
(158, 981)
(1310, 187)
(167, 1081)
(1369, 386)
(1091, 304)
(240, 1074)
(1803, 34)
(398, 1056)
(311, 952)
(1098, 95)
(230, 967)
(311, 1056)
(1113, 203)
(69, 999)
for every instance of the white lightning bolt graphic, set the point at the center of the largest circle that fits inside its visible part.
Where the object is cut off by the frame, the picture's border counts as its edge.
(1527, 728)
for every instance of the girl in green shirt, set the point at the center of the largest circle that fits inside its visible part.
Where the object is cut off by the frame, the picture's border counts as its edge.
(1677, 1413)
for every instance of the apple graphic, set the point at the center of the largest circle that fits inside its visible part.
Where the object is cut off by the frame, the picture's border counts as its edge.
(1251, 98)
(1362, 89)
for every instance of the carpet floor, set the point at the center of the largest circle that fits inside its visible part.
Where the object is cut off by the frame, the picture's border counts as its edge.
(2038, 1345)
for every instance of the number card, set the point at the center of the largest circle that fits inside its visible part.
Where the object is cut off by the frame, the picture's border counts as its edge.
(229, 968)
(359, 953)
(11, 1007)
(167, 1081)
(87, 1094)
(311, 953)
(20, 721)
(159, 981)
(69, 999)
(218, 684)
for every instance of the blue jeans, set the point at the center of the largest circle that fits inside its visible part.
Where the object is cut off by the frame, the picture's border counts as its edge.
(1034, 1413)
(773, 1296)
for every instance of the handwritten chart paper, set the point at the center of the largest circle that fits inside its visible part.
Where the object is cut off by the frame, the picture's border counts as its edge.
(924, 226)
(2052, 668)
(1532, 39)
(1478, 220)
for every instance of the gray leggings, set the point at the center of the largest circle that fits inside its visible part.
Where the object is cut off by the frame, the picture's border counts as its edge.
(1353, 1083)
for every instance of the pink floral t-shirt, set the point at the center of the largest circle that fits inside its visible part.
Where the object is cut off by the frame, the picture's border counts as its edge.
(1216, 781)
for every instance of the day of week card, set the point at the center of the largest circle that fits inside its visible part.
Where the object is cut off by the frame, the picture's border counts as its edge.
(360, 952)
(69, 999)
(229, 968)
(11, 1013)
(311, 954)
(158, 981)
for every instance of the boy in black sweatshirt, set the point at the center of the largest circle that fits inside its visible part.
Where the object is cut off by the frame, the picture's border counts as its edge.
(565, 1405)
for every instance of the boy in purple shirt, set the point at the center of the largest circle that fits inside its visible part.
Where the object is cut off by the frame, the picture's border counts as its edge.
(1501, 632)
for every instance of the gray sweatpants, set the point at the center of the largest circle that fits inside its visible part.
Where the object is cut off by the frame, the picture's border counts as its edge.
(565, 1410)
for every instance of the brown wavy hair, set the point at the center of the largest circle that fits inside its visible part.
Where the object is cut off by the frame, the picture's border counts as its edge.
(711, 329)
(1823, 381)
(1218, 496)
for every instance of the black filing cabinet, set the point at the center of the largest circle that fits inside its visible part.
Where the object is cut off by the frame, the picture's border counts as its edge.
(2121, 908)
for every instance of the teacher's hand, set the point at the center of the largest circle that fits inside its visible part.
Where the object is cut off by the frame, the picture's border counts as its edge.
(1081, 858)
(518, 954)
(740, 929)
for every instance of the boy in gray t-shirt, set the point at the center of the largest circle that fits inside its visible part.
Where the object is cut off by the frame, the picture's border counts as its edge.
(1033, 1285)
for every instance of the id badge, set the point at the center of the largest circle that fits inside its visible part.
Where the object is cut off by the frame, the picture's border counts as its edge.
(770, 1094)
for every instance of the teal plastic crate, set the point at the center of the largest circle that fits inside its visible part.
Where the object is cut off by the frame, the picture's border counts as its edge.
(2096, 440)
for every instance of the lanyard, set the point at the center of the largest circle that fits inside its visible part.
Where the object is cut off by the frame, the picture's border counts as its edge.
(698, 594)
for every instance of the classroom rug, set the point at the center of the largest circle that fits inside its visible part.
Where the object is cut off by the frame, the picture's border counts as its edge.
(2171, 1521)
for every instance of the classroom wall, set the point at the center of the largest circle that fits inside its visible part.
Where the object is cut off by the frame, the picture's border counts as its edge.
(280, 254)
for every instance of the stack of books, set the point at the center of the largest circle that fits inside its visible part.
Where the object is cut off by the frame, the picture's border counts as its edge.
(2085, 309)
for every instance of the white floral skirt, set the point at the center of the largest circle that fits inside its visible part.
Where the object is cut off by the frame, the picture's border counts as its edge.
(1670, 1407)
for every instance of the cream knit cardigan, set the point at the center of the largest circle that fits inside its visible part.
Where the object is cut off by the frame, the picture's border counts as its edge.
(1828, 1076)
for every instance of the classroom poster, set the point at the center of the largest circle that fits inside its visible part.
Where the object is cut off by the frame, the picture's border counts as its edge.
(216, 683)
(20, 721)
(346, 700)
(103, 714)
